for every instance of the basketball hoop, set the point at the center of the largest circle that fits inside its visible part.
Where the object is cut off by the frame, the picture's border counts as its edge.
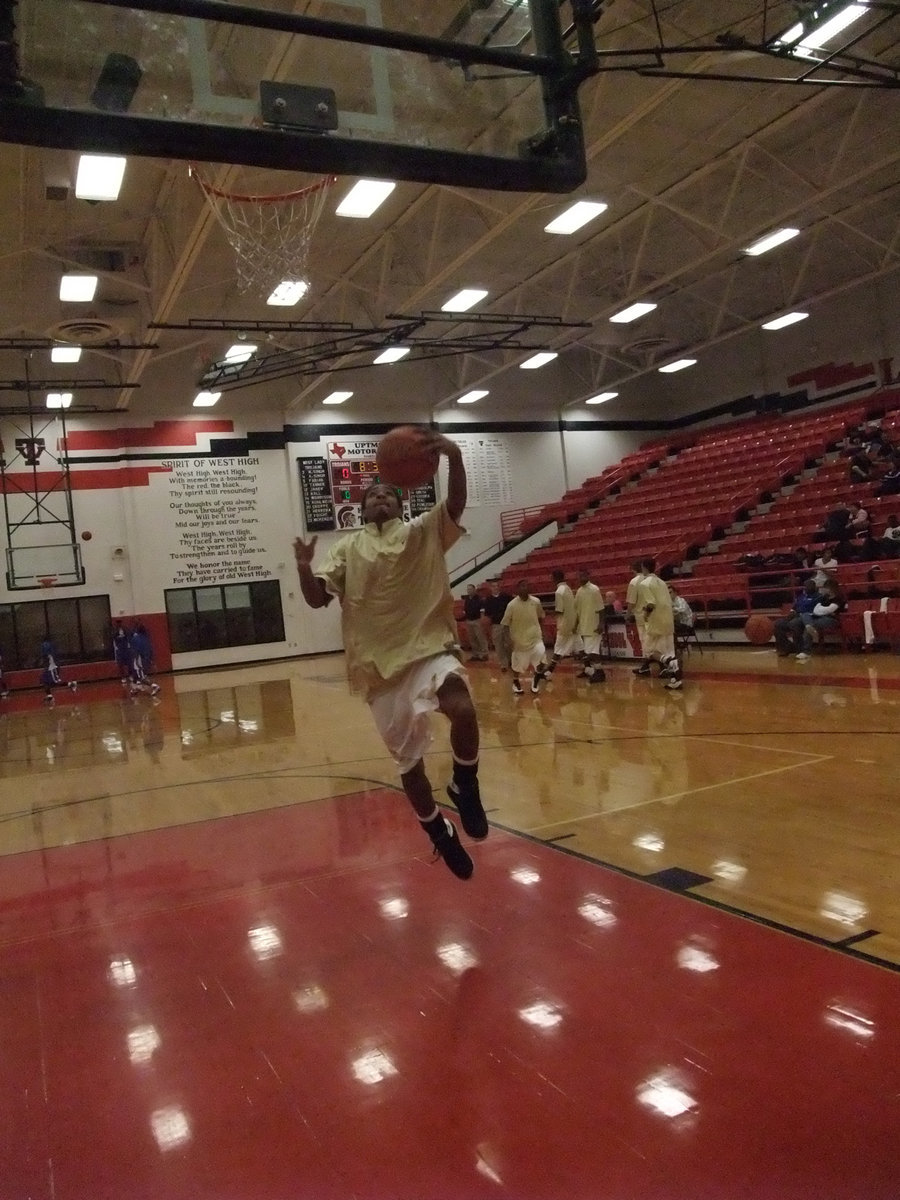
(270, 234)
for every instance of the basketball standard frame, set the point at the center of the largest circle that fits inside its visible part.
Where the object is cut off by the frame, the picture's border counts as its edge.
(551, 159)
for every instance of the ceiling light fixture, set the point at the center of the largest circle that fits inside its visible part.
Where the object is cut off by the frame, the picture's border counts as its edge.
(392, 354)
(463, 300)
(678, 365)
(365, 197)
(206, 399)
(288, 293)
(471, 397)
(602, 397)
(632, 312)
(65, 354)
(59, 399)
(790, 318)
(99, 176)
(240, 352)
(770, 241)
(576, 216)
(77, 288)
(823, 23)
(538, 360)
(337, 397)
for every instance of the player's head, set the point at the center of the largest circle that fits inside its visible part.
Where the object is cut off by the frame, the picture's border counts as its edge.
(559, 576)
(522, 589)
(648, 566)
(380, 503)
(584, 575)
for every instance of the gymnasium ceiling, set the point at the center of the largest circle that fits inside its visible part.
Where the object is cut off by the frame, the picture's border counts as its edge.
(693, 170)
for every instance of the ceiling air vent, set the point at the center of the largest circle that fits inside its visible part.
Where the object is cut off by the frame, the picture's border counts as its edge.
(86, 332)
(113, 257)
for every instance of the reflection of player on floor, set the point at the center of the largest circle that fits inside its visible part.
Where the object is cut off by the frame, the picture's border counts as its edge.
(122, 652)
(397, 618)
(141, 662)
(50, 673)
(522, 618)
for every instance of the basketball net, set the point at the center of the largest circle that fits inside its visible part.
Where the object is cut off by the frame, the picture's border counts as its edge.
(270, 234)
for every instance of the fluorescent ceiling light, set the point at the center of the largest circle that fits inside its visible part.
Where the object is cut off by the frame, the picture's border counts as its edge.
(678, 365)
(77, 288)
(632, 312)
(820, 36)
(288, 293)
(575, 216)
(788, 319)
(770, 241)
(59, 399)
(538, 360)
(240, 352)
(364, 197)
(602, 397)
(67, 354)
(464, 300)
(99, 176)
(471, 397)
(392, 354)
(337, 397)
(206, 399)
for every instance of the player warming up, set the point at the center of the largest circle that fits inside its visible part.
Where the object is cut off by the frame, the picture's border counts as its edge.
(398, 626)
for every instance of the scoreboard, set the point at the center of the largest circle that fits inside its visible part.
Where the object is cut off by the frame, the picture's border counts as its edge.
(332, 489)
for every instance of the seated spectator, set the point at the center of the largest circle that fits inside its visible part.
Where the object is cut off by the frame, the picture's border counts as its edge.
(789, 628)
(825, 618)
(889, 542)
(859, 520)
(682, 613)
(861, 467)
(803, 559)
(826, 566)
(890, 480)
(836, 523)
(611, 604)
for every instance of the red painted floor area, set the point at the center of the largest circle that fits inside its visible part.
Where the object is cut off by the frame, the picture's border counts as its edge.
(298, 1003)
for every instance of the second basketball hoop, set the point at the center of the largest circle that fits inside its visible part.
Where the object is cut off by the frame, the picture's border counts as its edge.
(270, 235)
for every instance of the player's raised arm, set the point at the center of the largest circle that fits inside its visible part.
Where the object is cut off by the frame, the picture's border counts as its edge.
(313, 588)
(457, 492)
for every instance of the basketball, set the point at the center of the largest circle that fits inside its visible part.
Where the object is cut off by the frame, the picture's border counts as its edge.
(759, 629)
(402, 458)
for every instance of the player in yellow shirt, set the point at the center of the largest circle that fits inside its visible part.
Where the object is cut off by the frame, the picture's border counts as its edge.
(522, 618)
(399, 631)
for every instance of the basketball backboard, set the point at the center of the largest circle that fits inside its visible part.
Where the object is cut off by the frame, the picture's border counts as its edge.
(476, 93)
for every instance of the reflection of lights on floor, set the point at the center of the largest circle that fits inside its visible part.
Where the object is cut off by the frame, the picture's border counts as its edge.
(171, 1127)
(597, 910)
(729, 872)
(265, 941)
(850, 1021)
(394, 908)
(695, 958)
(526, 875)
(310, 999)
(664, 1097)
(122, 973)
(649, 841)
(143, 1040)
(373, 1067)
(457, 957)
(542, 1015)
(846, 910)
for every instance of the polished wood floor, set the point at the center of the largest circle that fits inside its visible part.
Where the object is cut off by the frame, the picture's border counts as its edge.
(228, 966)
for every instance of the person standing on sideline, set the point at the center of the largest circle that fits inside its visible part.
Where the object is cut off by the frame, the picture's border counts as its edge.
(634, 617)
(473, 611)
(523, 618)
(142, 661)
(398, 625)
(494, 608)
(658, 637)
(121, 649)
(589, 624)
(567, 641)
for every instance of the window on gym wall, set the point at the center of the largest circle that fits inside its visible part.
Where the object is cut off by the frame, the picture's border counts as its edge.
(231, 614)
(80, 629)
